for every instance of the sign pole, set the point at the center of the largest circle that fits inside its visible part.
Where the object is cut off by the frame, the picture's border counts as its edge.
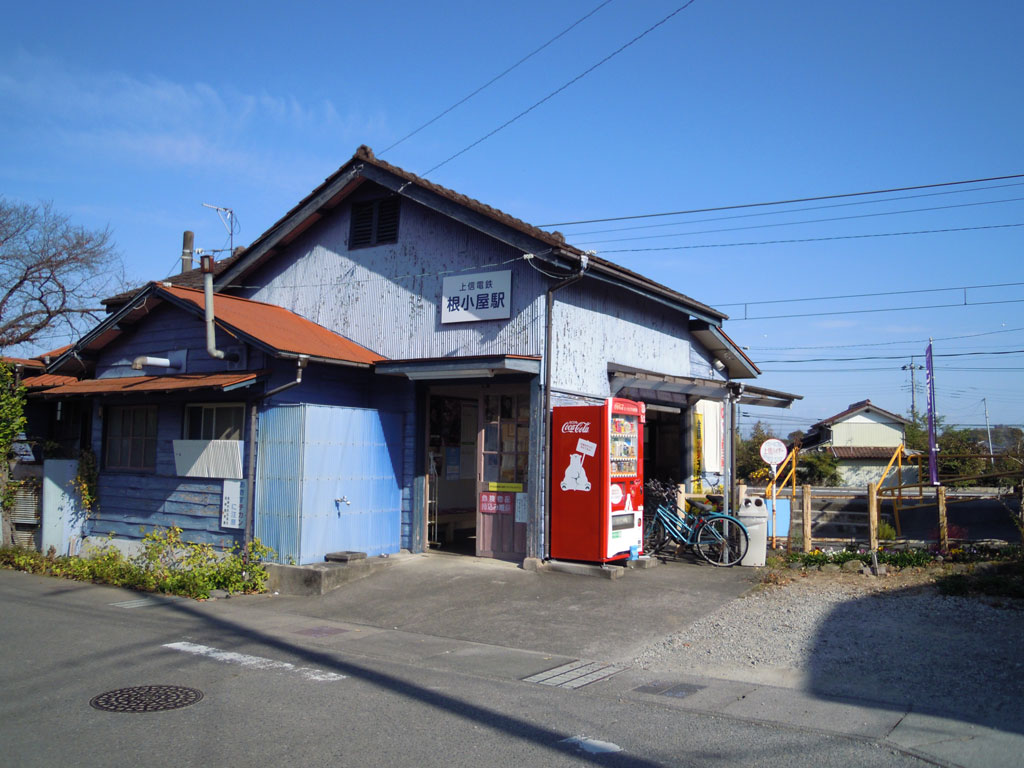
(773, 452)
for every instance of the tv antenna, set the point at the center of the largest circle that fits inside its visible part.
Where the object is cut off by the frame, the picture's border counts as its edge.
(229, 220)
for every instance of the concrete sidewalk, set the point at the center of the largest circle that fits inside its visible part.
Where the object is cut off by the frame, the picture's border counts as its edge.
(495, 620)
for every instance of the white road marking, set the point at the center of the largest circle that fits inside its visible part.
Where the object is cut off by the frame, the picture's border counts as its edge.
(254, 662)
(143, 602)
(591, 746)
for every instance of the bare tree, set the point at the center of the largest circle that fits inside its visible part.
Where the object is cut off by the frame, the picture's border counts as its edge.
(52, 273)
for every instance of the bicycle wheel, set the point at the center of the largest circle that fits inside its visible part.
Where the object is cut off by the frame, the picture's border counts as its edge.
(655, 538)
(721, 541)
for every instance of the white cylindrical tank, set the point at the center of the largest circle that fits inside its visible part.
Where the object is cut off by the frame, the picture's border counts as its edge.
(753, 513)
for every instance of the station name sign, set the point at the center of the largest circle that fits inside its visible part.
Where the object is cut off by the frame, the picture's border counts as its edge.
(480, 296)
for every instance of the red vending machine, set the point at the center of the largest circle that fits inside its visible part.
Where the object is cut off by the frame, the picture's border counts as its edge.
(597, 480)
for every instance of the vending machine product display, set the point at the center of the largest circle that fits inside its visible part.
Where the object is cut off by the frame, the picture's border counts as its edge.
(597, 482)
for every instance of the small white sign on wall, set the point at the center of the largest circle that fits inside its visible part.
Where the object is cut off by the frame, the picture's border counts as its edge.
(230, 505)
(522, 511)
(475, 297)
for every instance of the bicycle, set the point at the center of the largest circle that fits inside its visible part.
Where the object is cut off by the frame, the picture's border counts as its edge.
(717, 538)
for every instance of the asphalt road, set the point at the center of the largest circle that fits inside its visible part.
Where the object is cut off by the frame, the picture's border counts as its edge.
(273, 698)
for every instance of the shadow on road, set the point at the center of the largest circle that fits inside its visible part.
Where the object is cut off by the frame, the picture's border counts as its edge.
(477, 715)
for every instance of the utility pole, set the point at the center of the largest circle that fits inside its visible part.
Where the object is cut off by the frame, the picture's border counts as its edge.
(913, 386)
(988, 429)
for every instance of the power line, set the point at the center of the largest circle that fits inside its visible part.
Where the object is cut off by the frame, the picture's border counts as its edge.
(893, 357)
(872, 311)
(562, 88)
(784, 202)
(496, 78)
(873, 295)
(805, 221)
(797, 210)
(882, 343)
(812, 239)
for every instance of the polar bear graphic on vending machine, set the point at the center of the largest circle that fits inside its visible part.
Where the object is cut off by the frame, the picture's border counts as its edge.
(575, 478)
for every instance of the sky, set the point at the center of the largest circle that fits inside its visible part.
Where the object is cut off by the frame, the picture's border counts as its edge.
(132, 115)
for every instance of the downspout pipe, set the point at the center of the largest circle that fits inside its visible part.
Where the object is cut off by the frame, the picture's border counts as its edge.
(548, 333)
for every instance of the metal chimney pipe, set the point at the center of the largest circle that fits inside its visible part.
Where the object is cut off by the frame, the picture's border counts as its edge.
(187, 243)
(211, 344)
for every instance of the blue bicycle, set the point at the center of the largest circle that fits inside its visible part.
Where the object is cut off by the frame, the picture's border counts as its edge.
(717, 538)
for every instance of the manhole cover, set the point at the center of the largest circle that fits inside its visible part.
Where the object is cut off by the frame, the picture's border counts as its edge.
(146, 698)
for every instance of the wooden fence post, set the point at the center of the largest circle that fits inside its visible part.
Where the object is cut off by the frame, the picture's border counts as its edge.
(872, 517)
(805, 499)
(940, 494)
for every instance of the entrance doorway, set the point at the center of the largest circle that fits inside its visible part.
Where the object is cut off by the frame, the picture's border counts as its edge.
(453, 431)
(478, 455)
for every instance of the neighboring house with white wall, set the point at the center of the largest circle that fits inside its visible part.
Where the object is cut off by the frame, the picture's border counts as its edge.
(863, 439)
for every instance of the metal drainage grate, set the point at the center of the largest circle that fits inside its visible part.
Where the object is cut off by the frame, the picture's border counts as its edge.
(575, 674)
(146, 698)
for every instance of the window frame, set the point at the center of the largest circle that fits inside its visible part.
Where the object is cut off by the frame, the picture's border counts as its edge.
(214, 406)
(114, 422)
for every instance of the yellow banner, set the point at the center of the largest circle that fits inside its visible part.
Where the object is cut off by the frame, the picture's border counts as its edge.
(698, 453)
(507, 487)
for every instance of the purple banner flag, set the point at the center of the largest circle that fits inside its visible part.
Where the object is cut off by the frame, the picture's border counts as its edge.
(933, 450)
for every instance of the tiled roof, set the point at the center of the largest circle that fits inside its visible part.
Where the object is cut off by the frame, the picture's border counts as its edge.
(276, 327)
(863, 405)
(149, 384)
(863, 452)
(24, 361)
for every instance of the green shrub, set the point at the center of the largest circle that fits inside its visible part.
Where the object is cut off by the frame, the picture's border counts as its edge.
(165, 564)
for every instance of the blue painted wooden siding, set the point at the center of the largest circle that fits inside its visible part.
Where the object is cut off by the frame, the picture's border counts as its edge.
(387, 297)
(168, 328)
(132, 504)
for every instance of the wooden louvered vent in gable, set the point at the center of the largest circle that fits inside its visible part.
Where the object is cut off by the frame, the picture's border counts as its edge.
(374, 222)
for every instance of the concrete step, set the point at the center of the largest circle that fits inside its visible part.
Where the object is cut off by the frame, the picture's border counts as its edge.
(320, 578)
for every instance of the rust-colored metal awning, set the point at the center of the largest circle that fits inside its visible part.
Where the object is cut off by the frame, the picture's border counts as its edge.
(131, 385)
(46, 381)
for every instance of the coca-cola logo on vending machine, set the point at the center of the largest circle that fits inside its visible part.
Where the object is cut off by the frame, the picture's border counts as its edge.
(576, 427)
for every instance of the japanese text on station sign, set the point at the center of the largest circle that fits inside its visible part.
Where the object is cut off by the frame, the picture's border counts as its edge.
(480, 296)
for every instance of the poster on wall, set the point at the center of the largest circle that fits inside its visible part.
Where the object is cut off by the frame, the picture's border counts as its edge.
(480, 296)
(497, 503)
(230, 506)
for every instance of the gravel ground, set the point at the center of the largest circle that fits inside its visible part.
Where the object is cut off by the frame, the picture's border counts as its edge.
(890, 639)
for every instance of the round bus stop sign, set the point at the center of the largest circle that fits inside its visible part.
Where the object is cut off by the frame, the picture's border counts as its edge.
(773, 451)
